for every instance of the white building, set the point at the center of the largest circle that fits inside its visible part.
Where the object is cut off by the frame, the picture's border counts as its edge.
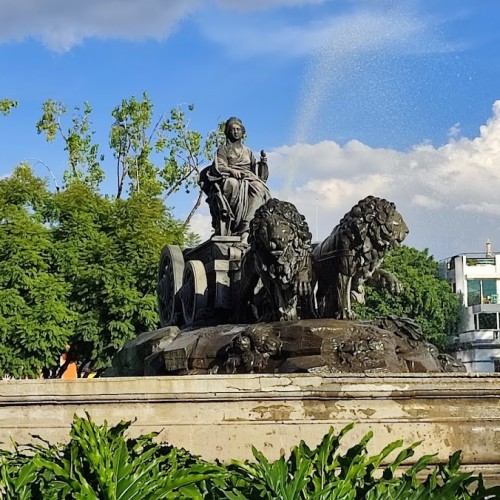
(476, 277)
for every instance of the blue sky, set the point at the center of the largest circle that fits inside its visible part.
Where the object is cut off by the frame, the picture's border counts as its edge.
(349, 97)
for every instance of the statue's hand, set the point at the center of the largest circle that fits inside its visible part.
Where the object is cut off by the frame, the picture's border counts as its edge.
(237, 174)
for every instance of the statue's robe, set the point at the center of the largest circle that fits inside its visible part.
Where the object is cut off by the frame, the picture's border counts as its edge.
(242, 197)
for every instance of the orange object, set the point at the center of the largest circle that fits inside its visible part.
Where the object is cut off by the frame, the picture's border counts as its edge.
(70, 372)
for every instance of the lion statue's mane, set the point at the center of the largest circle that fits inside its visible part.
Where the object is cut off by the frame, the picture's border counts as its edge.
(353, 253)
(280, 256)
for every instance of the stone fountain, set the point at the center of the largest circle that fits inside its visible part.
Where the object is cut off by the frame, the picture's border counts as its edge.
(259, 297)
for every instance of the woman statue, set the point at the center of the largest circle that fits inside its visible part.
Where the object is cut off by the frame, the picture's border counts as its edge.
(235, 183)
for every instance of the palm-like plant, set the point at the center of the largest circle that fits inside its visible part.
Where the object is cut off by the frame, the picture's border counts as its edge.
(323, 473)
(100, 462)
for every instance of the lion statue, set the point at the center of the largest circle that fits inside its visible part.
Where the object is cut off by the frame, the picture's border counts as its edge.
(352, 254)
(279, 255)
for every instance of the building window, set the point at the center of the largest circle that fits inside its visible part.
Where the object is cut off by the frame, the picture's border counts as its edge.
(487, 321)
(496, 365)
(481, 292)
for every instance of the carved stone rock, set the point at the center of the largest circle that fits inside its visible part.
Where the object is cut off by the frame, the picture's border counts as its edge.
(131, 359)
(309, 346)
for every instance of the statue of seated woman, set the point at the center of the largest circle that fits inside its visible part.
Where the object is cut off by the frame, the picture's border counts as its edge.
(235, 183)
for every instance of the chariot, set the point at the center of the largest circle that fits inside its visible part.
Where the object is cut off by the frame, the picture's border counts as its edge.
(199, 283)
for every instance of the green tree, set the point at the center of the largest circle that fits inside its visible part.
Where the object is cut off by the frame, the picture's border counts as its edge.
(137, 138)
(188, 152)
(156, 155)
(108, 252)
(426, 298)
(131, 139)
(83, 155)
(36, 320)
(75, 267)
(81, 267)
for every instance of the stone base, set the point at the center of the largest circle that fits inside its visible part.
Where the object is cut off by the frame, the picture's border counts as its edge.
(222, 416)
(326, 346)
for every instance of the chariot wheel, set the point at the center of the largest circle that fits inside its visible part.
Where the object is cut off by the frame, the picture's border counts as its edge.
(194, 291)
(170, 272)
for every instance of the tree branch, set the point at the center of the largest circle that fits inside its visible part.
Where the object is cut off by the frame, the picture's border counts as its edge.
(193, 210)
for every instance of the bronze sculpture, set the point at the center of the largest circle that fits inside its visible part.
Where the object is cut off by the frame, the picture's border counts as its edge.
(235, 183)
(260, 267)
(352, 254)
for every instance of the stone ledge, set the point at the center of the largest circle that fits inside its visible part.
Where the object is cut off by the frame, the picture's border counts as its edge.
(220, 387)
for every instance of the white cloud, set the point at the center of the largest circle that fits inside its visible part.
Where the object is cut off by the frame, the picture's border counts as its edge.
(421, 200)
(201, 224)
(482, 208)
(454, 131)
(61, 24)
(447, 194)
(327, 158)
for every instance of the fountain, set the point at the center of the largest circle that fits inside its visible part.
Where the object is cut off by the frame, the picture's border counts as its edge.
(259, 298)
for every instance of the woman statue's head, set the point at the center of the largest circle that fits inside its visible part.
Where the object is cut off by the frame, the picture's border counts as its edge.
(234, 129)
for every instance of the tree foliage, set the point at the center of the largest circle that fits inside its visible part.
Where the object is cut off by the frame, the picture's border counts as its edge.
(108, 250)
(7, 105)
(188, 152)
(138, 139)
(425, 297)
(81, 266)
(131, 142)
(155, 155)
(36, 318)
(75, 266)
(83, 155)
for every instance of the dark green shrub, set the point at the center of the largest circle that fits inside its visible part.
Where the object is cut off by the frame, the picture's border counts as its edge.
(323, 473)
(100, 462)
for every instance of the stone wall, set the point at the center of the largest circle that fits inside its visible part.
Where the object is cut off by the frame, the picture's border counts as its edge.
(222, 416)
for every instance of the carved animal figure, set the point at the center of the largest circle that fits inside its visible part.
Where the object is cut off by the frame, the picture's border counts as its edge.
(280, 256)
(352, 254)
(250, 353)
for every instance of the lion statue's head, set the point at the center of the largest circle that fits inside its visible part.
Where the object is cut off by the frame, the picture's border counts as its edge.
(280, 238)
(372, 225)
